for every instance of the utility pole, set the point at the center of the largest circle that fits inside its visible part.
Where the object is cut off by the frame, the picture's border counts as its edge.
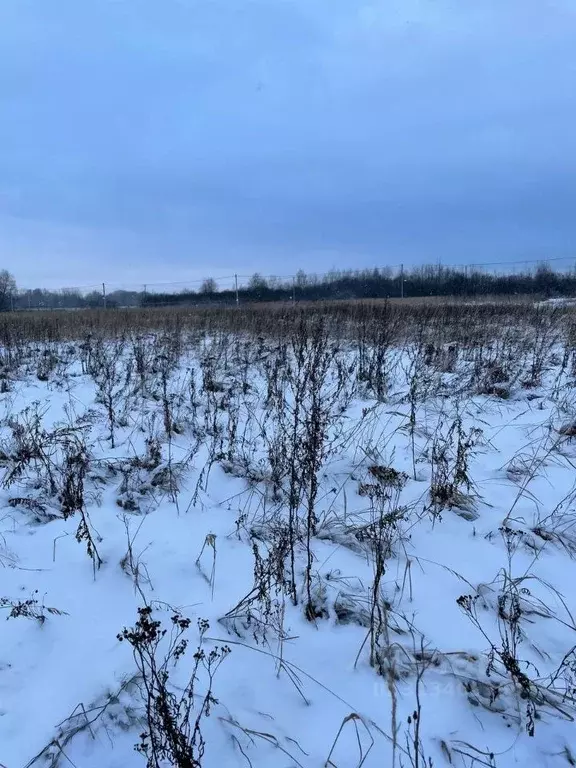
(401, 281)
(236, 289)
(293, 291)
(104, 294)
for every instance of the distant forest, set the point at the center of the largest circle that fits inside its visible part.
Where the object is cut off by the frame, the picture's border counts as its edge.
(362, 284)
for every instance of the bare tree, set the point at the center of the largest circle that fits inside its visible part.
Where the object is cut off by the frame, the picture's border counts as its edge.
(257, 282)
(301, 279)
(7, 290)
(258, 285)
(209, 286)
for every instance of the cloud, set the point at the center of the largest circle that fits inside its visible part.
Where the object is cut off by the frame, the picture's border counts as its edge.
(261, 135)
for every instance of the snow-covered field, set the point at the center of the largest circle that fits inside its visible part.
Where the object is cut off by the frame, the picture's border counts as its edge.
(373, 541)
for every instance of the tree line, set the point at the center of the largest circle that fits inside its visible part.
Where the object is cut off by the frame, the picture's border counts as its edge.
(432, 280)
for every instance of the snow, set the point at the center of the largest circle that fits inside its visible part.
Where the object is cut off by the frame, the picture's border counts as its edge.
(561, 301)
(57, 673)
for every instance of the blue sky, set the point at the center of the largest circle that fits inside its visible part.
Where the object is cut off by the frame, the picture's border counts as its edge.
(160, 140)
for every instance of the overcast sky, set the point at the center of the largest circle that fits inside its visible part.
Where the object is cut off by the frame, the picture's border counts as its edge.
(160, 140)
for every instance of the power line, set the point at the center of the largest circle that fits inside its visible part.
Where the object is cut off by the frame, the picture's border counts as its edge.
(289, 277)
(226, 284)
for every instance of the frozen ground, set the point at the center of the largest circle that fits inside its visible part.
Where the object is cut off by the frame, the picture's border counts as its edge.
(368, 537)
